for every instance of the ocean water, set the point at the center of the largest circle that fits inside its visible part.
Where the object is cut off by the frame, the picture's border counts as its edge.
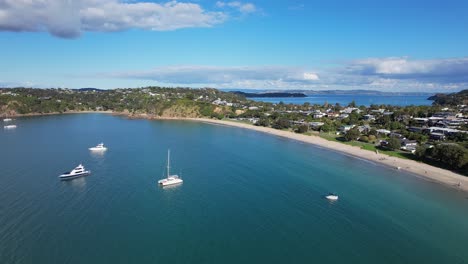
(367, 100)
(247, 197)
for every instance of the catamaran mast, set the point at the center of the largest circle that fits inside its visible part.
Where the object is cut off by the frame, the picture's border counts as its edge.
(168, 161)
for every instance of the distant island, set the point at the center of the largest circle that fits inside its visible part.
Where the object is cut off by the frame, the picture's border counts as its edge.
(329, 92)
(272, 94)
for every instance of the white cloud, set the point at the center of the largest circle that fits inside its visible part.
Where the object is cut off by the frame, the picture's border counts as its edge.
(384, 74)
(69, 18)
(244, 8)
(223, 76)
(311, 76)
(435, 70)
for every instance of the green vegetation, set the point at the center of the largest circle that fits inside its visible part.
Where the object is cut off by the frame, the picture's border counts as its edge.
(460, 98)
(155, 101)
(435, 134)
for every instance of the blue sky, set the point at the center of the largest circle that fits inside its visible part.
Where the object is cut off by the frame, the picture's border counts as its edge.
(397, 46)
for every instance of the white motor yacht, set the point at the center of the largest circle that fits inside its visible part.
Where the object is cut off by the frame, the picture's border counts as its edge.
(99, 147)
(171, 179)
(76, 172)
(9, 127)
(7, 120)
(332, 197)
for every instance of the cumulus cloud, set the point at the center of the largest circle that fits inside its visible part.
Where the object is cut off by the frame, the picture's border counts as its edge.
(244, 8)
(436, 70)
(384, 74)
(224, 76)
(69, 18)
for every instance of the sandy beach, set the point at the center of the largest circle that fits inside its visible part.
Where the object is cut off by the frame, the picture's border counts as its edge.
(419, 169)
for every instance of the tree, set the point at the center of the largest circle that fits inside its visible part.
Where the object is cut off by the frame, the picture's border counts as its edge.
(327, 127)
(263, 122)
(451, 154)
(352, 134)
(281, 123)
(394, 143)
(421, 151)
(353, 118)
(302, 129)
(364, 139)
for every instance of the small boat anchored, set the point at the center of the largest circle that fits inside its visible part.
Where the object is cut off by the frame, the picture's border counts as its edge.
(171, 179)
(9, 127)
(76, 172)
(332, 197)
(7, 120)
(99, 147)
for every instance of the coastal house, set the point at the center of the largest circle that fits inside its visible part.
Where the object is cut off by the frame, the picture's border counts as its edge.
(368, 117)
(420, 121)
(437, 136)
(349, 110)
(396, 135)
(409, 145)
(346, 128)
(364, 128)
(316, 125)
(378, 111)
(383, 131)
(343, 116)
(444, 115)
(415, 129)
(319, 115)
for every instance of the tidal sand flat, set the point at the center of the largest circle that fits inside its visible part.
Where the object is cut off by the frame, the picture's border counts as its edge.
(247, 197)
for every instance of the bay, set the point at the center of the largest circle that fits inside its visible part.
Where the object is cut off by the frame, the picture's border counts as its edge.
(247, 197)
(345, 99)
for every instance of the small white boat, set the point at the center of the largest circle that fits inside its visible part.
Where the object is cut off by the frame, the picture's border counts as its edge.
(76, 172)
(7, 120)
(332, 197)
(9, 127)
(99, 147)
(171, 179)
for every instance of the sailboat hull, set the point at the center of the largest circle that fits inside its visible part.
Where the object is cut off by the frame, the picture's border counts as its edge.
(170, 181)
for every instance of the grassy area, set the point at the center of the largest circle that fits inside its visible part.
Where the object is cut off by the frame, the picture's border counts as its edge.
(368, 146)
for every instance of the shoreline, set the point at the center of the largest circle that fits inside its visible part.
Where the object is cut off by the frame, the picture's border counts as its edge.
(58, 113)
(418, 169)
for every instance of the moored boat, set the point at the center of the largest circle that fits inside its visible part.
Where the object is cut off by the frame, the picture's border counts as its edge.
(9, 127)
(99, 147)
(76, 172)
(332, 197)
(171, 179)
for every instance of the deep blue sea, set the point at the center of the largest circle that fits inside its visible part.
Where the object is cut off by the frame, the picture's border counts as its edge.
(367, 100)
(247, 197)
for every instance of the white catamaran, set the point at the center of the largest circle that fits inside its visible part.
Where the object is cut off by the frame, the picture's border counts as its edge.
(171, 179)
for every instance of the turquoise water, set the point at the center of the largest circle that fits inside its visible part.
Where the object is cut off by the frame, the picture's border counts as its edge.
(246, 198)
(345, 99)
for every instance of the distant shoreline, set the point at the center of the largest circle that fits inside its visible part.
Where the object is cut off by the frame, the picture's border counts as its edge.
(419, 169)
